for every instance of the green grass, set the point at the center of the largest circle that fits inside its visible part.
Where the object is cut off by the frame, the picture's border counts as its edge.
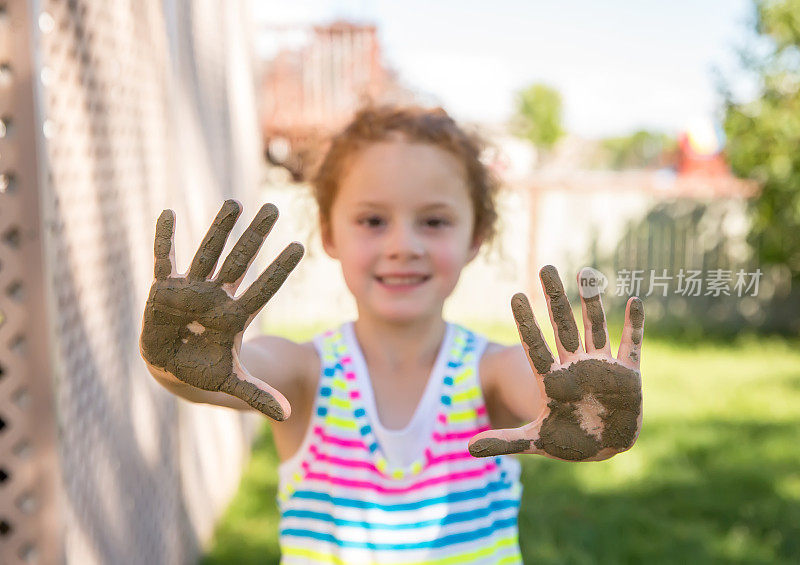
(713, 478)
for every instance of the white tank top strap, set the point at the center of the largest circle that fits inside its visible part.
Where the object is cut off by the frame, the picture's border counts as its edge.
(401, 447)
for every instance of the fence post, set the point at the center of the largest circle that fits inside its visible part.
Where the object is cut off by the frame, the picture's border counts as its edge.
(29, 509)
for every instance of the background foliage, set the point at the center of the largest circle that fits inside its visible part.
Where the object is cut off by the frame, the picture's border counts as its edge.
(764, 133)
(640, 150)
(538, 115)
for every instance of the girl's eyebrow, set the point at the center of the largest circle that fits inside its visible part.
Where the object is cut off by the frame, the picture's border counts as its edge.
(430, 206)
(435, 205)
(369, 204)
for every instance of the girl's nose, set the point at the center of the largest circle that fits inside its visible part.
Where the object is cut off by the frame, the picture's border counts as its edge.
(403, 241)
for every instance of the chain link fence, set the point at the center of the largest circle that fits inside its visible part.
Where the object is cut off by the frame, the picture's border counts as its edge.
(111, 111)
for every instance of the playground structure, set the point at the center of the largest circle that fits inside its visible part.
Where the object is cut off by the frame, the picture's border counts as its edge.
(311, 90)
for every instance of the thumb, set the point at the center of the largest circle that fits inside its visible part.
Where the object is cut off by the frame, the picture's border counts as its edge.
(256, 393)
(505, 441)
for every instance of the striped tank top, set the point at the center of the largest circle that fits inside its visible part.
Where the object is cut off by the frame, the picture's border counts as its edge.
(343, 501)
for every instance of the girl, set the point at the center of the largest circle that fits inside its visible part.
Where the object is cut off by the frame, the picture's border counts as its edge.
(390, 456)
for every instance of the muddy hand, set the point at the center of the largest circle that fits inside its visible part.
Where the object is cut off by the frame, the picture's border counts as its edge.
(193, 325)
(594, 401)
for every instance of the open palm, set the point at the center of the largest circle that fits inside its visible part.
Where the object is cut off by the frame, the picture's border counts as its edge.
(193, 325)
(594, 401)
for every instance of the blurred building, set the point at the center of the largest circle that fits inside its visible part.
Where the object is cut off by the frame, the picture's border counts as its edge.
(312, 86)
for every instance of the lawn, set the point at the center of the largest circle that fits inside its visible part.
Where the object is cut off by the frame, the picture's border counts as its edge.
(713, 478)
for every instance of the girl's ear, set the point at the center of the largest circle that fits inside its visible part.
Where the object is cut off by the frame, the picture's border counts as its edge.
(327, 239)
(477, 242)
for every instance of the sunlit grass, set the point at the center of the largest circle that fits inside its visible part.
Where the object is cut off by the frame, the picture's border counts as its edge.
(714, 477)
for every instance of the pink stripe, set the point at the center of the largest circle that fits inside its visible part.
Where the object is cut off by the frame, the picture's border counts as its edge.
(399, 490)
(450, 457)
(480, 410)
(429, 456)
(350, 376)
(442, 418)
(459, 435)
(352, 463)
(355, 394)
(339, 441)
(345, 359)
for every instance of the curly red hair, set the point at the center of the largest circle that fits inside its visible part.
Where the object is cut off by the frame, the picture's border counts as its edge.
(414, 124)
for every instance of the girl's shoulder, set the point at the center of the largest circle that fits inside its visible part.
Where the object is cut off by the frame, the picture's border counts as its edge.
(507, 383)
(312, 364)
(283, 363)
(492, 356)
(498, 359)
(491, 359)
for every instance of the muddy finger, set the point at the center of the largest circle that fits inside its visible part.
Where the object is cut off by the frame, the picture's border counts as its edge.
(531, 335)
(268, 283)
(593, 313)
(211, 247)
(258, 395)
(164, 247)
(630, 348)
(244, 251)
(502, 442)
(568, 340)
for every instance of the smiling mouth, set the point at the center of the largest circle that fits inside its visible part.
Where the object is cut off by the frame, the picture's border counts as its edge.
(403, 281)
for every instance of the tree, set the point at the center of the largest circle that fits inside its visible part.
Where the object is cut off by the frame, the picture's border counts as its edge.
(764, 134)
(538, 115)
(639, 150)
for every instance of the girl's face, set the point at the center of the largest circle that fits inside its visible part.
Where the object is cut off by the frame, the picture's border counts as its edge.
(401, 226)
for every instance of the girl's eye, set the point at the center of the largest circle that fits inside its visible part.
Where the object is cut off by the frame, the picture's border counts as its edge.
(371, 221)
(437, 222)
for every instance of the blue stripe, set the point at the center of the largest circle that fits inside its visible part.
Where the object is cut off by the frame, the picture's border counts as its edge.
(494, 486)
(440, 542)
(494, 506)
(314, 525)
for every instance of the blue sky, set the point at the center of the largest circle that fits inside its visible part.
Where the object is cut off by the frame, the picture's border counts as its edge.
(619, 66)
